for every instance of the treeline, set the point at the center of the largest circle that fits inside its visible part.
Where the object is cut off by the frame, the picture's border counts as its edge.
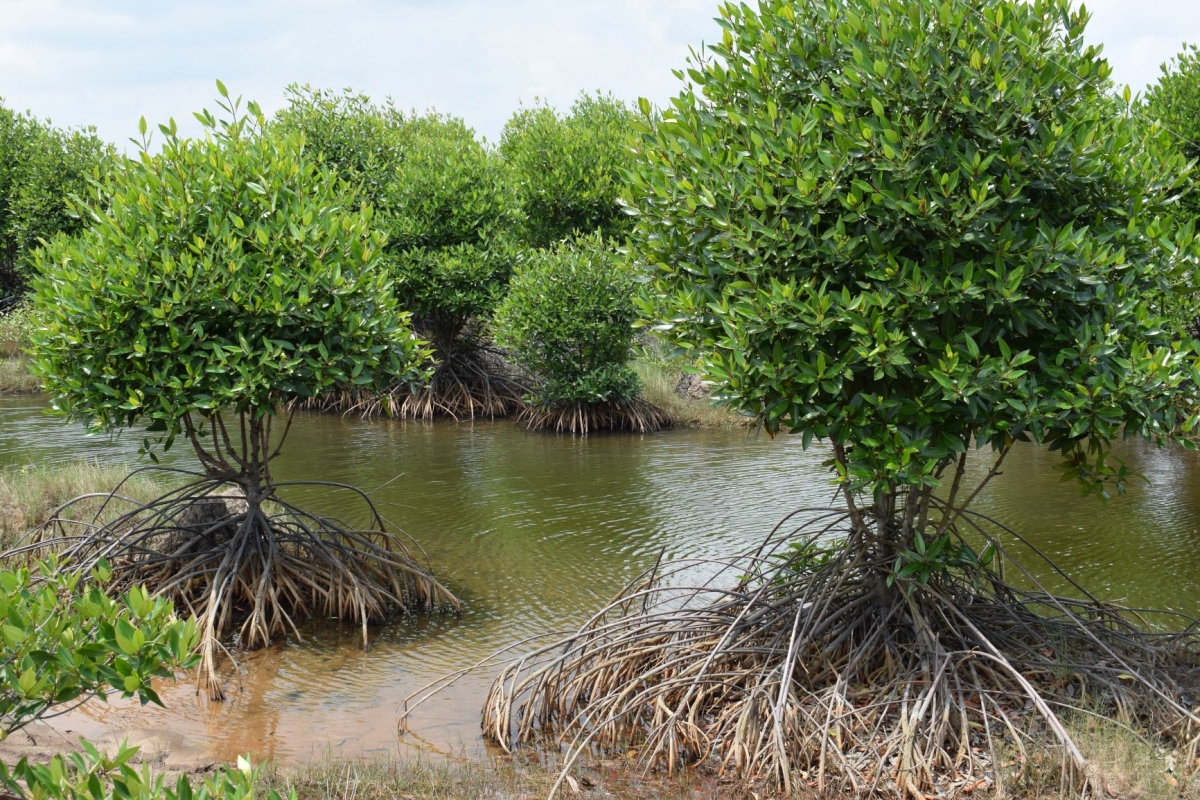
(461, 220)
(506, 255)
(40, 166)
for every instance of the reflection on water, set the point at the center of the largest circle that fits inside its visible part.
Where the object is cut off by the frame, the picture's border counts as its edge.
(534, 532)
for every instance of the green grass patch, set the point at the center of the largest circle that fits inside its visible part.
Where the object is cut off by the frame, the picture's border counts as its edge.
(29, 495)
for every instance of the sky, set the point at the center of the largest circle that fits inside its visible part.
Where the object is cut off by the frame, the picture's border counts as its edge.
(103, 63)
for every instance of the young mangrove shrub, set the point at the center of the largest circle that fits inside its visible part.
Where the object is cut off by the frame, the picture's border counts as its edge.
(449, 216)
(220, 280)
(568, 167)
(93, 775)
(913, 231)
(65, 641)
(40, 167)
(568, 319)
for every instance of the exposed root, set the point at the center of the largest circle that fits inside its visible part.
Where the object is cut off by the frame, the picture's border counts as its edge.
(798, 664)
(475, 384)
(580, 418)
(247, 566)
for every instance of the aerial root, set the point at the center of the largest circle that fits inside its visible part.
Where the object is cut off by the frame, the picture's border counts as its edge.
(809, 672)
(635, 415)
(248, 569)
(472, 385)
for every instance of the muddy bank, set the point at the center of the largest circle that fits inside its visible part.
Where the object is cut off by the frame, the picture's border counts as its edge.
(163, 749)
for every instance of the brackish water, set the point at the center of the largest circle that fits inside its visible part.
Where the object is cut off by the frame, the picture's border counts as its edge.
(534, 532)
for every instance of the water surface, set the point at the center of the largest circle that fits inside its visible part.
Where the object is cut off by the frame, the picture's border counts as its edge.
(535, 532)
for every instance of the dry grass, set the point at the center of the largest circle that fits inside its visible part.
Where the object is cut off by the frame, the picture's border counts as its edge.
(437, 778)
(1126, 764)
(15, 377)
(30, 494)
(659, 380)
(1129, 766)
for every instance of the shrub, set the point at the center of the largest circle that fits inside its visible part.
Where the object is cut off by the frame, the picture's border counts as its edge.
(568, 167)
(64, 642)
(222, 279)
(40, 168)
(16, 329)
(568, 318)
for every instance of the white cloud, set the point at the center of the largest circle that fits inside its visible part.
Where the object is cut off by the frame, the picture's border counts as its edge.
(108, 63)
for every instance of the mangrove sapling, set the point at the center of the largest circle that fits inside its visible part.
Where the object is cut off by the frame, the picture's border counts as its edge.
(883, 225)
(221, 280)
(568, 318)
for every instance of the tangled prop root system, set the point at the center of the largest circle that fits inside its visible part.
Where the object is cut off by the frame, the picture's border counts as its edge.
(477, 384)
(800, 665)
(581, 418)
(247, 567)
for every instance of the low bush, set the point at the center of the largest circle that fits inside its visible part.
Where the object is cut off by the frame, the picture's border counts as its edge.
(568, 319)
(16, 330)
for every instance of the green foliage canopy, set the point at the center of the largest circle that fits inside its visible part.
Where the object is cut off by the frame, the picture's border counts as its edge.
(40, 168)
(569, 167)
(361, 140)
(228, 272)
(910, 227)
(448, 214)
(568, 318)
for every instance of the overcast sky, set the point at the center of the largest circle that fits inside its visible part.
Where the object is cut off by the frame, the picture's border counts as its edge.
(108, 63)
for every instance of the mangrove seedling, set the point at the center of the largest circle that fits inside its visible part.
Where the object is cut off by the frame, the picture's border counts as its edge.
(914, 232)
(568, 319)
(220, 280)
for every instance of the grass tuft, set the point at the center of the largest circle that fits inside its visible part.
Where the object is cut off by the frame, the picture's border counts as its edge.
(436, 778)
(659, 379)
(30, 494)
(15, 377)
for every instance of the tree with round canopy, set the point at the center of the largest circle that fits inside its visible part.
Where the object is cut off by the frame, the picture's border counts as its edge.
(221, 280)
(567, 168)
(568, 319)
(918, 233)
(449, 213)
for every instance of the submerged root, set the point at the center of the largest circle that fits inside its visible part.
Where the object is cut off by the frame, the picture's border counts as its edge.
(809, 671)
(247, 567)
(478, 384)
(580, 418)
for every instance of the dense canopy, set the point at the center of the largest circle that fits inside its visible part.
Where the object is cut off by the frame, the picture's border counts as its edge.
(230, 271)
(911, 227)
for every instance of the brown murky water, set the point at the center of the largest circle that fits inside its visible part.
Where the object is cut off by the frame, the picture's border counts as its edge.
(534, 532)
